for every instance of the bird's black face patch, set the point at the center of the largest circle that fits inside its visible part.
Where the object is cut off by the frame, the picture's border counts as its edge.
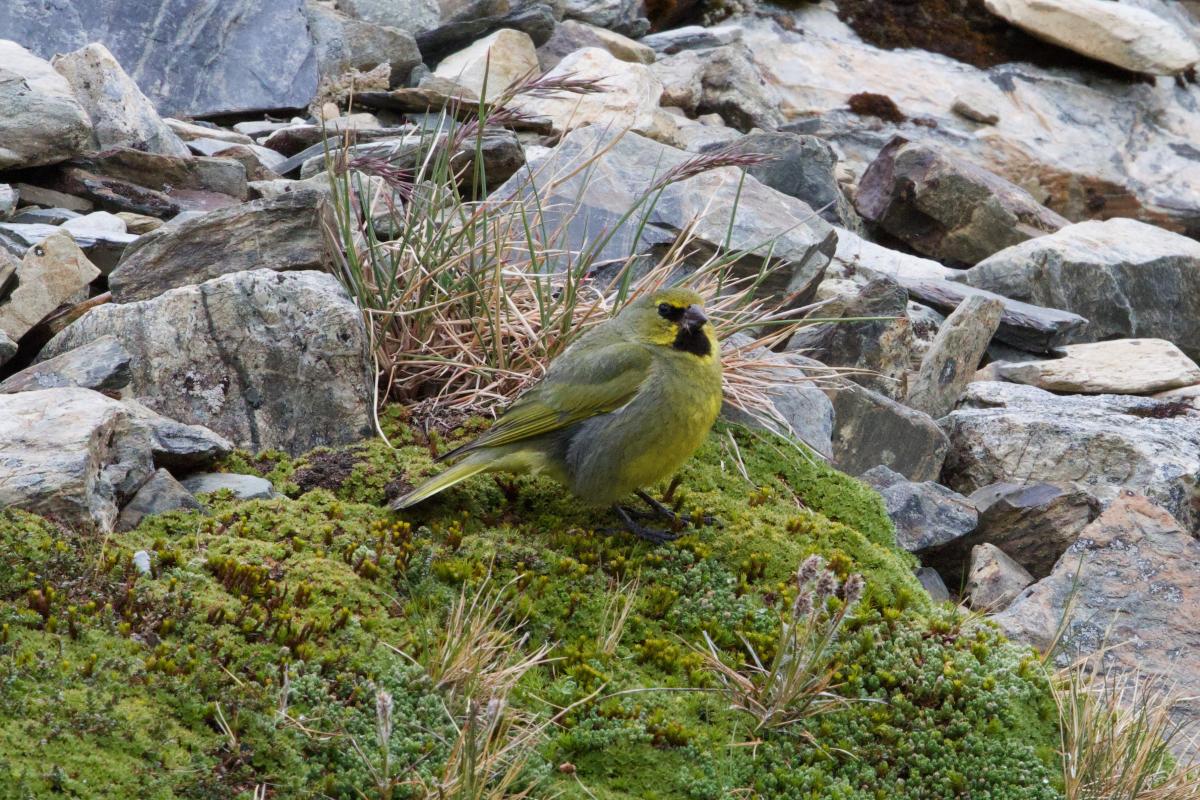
(693, 341)
(668, 311)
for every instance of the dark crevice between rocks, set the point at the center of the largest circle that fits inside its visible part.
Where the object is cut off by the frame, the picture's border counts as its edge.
(965, 31)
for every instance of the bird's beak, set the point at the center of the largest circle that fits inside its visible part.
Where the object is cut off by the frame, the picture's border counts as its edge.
(693, 318)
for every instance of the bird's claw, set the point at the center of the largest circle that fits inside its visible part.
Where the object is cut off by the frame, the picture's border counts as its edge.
(652, 535)
(661, 511)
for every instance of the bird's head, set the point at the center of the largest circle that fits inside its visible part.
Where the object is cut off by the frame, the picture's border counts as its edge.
(673, 317)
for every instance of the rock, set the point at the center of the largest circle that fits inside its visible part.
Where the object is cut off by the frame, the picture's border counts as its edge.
(8, 200)
(282, 233)
(570, 36)
(41, 196)
(160, 494)
(764, 221)
(102, 365)
(1005, 432)
(177, 445)
(33, 215)
(1129, 37)
(187, 131)
(1034, 523)
(192, 182)
(414, 16)
(628, 92)
(995, 580)
(95, 223)
(803, 167)
(343, 44)
(979, 104)
(933, 584)
(925, 514)
(692, 37)
(474, 22)
(1120, 366)
(954, 354)
(70, 454)
(8, 348)
(877, 349)
(1126, 594)
(103, 248)
(870, 429)
(723, 81)
(270, 360)
(243, 487)
(191, 59)
(121, 115)
(1116, 273)
(138, 224)
(41, 122)
(797, 399)
(494, 61)
(1079, 162)
(621, 16)
(255, 158)
(50, 274)
(948, 208)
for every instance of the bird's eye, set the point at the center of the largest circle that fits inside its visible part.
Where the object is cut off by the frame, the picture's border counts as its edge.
(664, 310)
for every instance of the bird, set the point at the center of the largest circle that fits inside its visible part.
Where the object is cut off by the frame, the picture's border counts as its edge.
(621, 409)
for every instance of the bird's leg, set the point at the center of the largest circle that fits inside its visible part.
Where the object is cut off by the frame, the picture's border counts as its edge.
(510, 488)
(652, 535)
(670, 515)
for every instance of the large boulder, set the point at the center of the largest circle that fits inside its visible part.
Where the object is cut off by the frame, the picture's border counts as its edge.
(1126, 594)
(1116, 273)
(597, 175)
(286, 232)
(946, 207)
(41, 122)
(70, 454)
(1119, 33)
(190, 57)
(51, 273)
(121, 115)
(344, 44)
(270, 360)
(1005, 432)
(871, 429)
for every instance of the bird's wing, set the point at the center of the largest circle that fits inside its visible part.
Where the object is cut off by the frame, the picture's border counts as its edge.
(593, 380)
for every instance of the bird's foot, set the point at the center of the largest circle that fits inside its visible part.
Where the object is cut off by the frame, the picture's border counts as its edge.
(652, 535)
(662, 511)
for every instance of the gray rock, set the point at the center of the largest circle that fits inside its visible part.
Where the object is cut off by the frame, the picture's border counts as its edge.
(8, 200)
(946, 207)
(1116, 273)
(191, 182)
(954, 355)
(41, 122)
(995, 580)
(160, 494)
(41, 196)
(244, 487)
(692, 37)
(627, 17)
(205, 130)
(270, 360)
(925, 514)
(102, 365)
(51, 273)
(570, 36)
(933, 584)
(283, 233)
(480, 19)
(803, 167)
(103, 248)
(176, 445)
(1005, 432)
(344, 44)
(121, 115)
(70, 454)
(8, 348)
(724, 81)
(871, 429)
(764, 222)
(1129, 580)
(32, 215)
(877, 349)
(190, 57)
(414, 16)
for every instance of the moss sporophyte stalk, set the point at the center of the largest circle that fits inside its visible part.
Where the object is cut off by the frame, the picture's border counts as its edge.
(256, 649)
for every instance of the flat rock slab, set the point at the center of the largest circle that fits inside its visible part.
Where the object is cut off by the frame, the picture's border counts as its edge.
(70, 454)
(281, 233)
(871, 429)
(1006, 433)
(243, 487)
(1120, 366)
(190, 57)
(102, 365)
(1129, 588)
(925, 514)
(1118, 273)
(270, 360)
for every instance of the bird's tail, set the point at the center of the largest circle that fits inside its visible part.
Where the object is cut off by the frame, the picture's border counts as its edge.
(459, 472)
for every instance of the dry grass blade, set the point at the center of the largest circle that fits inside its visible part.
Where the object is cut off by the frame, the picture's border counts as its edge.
(1118, 732)
(616, 612)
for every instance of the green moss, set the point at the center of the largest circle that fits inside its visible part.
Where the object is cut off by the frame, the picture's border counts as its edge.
(135, 682)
